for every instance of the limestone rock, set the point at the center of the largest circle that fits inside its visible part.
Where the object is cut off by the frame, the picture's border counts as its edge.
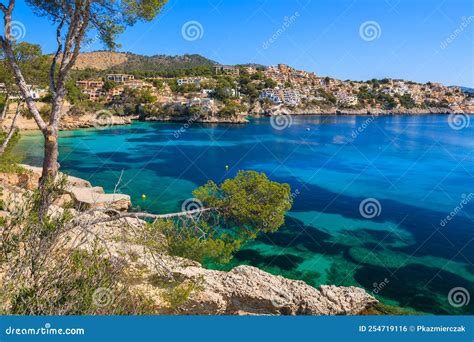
(251, 291)
(79, 182)
(26, 180)
(95, 198)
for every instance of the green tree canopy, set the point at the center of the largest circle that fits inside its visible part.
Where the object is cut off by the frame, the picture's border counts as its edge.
(250, 201)
(235, 212)
(107, 18)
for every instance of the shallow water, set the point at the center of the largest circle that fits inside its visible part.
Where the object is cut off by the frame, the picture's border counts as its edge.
(417, 167)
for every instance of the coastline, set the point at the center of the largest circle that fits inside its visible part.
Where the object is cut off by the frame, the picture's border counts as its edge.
(244, 290)
(95, 121)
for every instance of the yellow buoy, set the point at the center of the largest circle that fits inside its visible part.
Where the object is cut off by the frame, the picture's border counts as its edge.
(227, 167)
(143, 196)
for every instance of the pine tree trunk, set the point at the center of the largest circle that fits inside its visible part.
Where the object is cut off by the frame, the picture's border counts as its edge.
(50, 163)
(50, 170)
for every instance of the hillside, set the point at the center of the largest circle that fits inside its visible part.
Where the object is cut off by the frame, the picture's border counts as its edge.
(100, 60)
(128, 62)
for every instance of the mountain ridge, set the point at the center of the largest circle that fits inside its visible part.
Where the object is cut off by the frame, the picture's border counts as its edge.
(129, 62)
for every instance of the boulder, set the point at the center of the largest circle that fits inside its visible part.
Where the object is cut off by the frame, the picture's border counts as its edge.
(89, 197)
(73, 181)
(79, 182)
(25, 180)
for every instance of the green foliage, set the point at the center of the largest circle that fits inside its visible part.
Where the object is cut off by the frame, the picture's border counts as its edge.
(9, 160)
(330, 98)
(240, 208)
(165, 66)
(110, 17)
(269, 83)
(231, 109)
(187, 88)
(109, 85)
(74, 93)
(364, 94)
(131, 100)
(224, 88)
(177, 294)
(83, 107)
(386, 100)
(199, 242)
(46, 273)
(406, 101)
(257, 76)
(34, 66)
(250, 201)
(247, 87)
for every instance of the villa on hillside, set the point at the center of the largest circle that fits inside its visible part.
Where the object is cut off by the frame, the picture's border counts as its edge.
(291, 97)
(190, 80)
(120, 78)
(205, 103)
(346, 99)
(276, 96)
(270, 94)
(95, 91)
(225, 70)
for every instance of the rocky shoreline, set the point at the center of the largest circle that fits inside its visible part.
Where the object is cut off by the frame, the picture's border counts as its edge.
(244, 290)
(362, 112)
(238, 119)
(69, 122)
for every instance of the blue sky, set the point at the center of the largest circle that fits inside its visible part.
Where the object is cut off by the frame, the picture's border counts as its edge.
(322, 36)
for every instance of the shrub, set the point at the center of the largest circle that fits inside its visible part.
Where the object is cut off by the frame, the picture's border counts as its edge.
(52, 266)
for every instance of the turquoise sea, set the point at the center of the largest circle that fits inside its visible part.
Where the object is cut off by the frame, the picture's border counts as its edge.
(415, 249)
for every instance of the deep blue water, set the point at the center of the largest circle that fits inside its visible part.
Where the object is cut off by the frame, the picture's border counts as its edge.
(416, 167)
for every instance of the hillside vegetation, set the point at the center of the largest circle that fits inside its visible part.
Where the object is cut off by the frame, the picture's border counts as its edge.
(143, 65)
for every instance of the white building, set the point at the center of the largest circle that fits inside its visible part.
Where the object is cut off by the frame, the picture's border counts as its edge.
(270, 94)
(291, 97)
(346, 99)
(120, 78)
(205, 103)
(192, 80)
